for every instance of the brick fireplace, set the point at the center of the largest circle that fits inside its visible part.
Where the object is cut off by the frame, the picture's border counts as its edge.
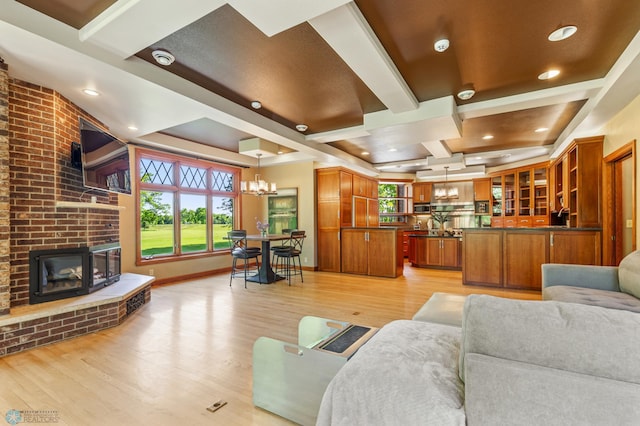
(42, 124)
(37, 127)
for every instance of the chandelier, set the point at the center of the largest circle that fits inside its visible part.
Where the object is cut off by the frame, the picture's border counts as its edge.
(445, 192)
(257, 186)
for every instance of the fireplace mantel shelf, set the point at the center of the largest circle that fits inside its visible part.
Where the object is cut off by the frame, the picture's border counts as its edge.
(87, 205)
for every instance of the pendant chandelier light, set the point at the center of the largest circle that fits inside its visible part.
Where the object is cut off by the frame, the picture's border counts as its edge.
(446, 192)
(257, 186)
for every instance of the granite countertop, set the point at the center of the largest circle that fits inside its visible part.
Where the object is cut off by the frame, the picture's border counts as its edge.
(390, 228)
(434, 236)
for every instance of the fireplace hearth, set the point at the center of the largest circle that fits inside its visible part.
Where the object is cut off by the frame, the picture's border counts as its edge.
(69, 272)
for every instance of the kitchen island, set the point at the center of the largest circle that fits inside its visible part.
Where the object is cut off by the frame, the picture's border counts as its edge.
(512, 257)
(375, 251)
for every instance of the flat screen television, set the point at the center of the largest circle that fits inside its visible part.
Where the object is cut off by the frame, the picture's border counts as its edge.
(104, 160)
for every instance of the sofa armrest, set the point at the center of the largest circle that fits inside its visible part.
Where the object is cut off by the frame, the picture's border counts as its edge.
(587, 276)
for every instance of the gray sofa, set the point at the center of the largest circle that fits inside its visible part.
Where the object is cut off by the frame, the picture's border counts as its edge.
(605, 286)
(512, 362)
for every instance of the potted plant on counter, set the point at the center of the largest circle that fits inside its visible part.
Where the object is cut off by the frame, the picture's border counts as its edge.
(440, 218)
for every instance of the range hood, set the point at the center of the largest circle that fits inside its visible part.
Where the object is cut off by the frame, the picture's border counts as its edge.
(464, 198)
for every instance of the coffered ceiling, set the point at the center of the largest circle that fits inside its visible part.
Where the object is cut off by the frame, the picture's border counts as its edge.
(363, 76)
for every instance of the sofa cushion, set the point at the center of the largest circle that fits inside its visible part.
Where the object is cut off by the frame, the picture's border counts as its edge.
(567, 336)
(629, 274)
(404, 375)
(592, 296)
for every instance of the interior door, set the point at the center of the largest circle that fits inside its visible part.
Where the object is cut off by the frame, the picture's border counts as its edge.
(619, 225)
(623, 208)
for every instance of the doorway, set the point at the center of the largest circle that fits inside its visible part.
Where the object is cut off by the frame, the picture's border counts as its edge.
(619, 219)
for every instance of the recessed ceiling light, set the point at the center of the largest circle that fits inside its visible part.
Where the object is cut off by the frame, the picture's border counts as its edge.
(90, 92)
(477, 158)
(541, 129)
(549, 74)
(393, 149)
(256, 105)
(365, 153)
(163, 57)
(302, 127)
(132, 128)
(563, 33)
(466, 94)
(441, 45)
(487, 137)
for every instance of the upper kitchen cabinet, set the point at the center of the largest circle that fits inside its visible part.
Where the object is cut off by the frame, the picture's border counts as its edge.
(482, 195)
(520, 197)
(422, 192)
(482, 189)
(577, 177)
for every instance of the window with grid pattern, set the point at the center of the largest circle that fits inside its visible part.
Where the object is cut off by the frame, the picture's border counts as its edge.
(187, 206)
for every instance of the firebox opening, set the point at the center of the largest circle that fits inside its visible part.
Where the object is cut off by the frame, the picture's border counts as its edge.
(62, 273)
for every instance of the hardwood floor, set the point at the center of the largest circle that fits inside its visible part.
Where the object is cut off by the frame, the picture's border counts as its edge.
(192, 346)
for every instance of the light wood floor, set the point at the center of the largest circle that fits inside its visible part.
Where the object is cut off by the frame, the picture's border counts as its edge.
(192, 346)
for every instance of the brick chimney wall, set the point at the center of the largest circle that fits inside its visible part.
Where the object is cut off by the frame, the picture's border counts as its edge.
(42, 124)
(4, 191)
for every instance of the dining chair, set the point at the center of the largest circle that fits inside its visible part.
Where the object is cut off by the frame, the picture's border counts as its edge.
(241, 251)
(285, 258)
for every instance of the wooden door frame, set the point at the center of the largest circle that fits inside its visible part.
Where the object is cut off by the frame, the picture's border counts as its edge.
(608, 224)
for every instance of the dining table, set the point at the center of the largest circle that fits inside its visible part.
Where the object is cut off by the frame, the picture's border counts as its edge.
(266, 275)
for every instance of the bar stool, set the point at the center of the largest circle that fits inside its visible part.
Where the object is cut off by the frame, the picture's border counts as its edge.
(283, 244)
(285, 258)
(240, 250)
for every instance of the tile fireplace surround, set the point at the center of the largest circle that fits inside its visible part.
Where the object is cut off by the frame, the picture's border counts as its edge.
(30, 326)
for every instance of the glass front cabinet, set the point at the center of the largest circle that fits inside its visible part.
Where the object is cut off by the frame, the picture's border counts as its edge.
(519, 197)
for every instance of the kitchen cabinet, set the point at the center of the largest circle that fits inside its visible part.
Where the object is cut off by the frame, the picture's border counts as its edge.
(365, 212)
(328, 250)
(364, 187)
(372, 251)
(482, 257)
(373, 212)
(337, 208)
(524, 254)
(482, 189)
(332, 187)
(576, 247)
(411, 246)
(577, 176)
(355, 259)
(360, 186)
(435, 252)
(482, 196)
(443, 252)
(422, 192)
(405, 244)
(520, 197)
(513, 257)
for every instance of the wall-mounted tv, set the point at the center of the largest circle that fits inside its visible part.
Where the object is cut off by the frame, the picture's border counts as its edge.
(105, 160)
